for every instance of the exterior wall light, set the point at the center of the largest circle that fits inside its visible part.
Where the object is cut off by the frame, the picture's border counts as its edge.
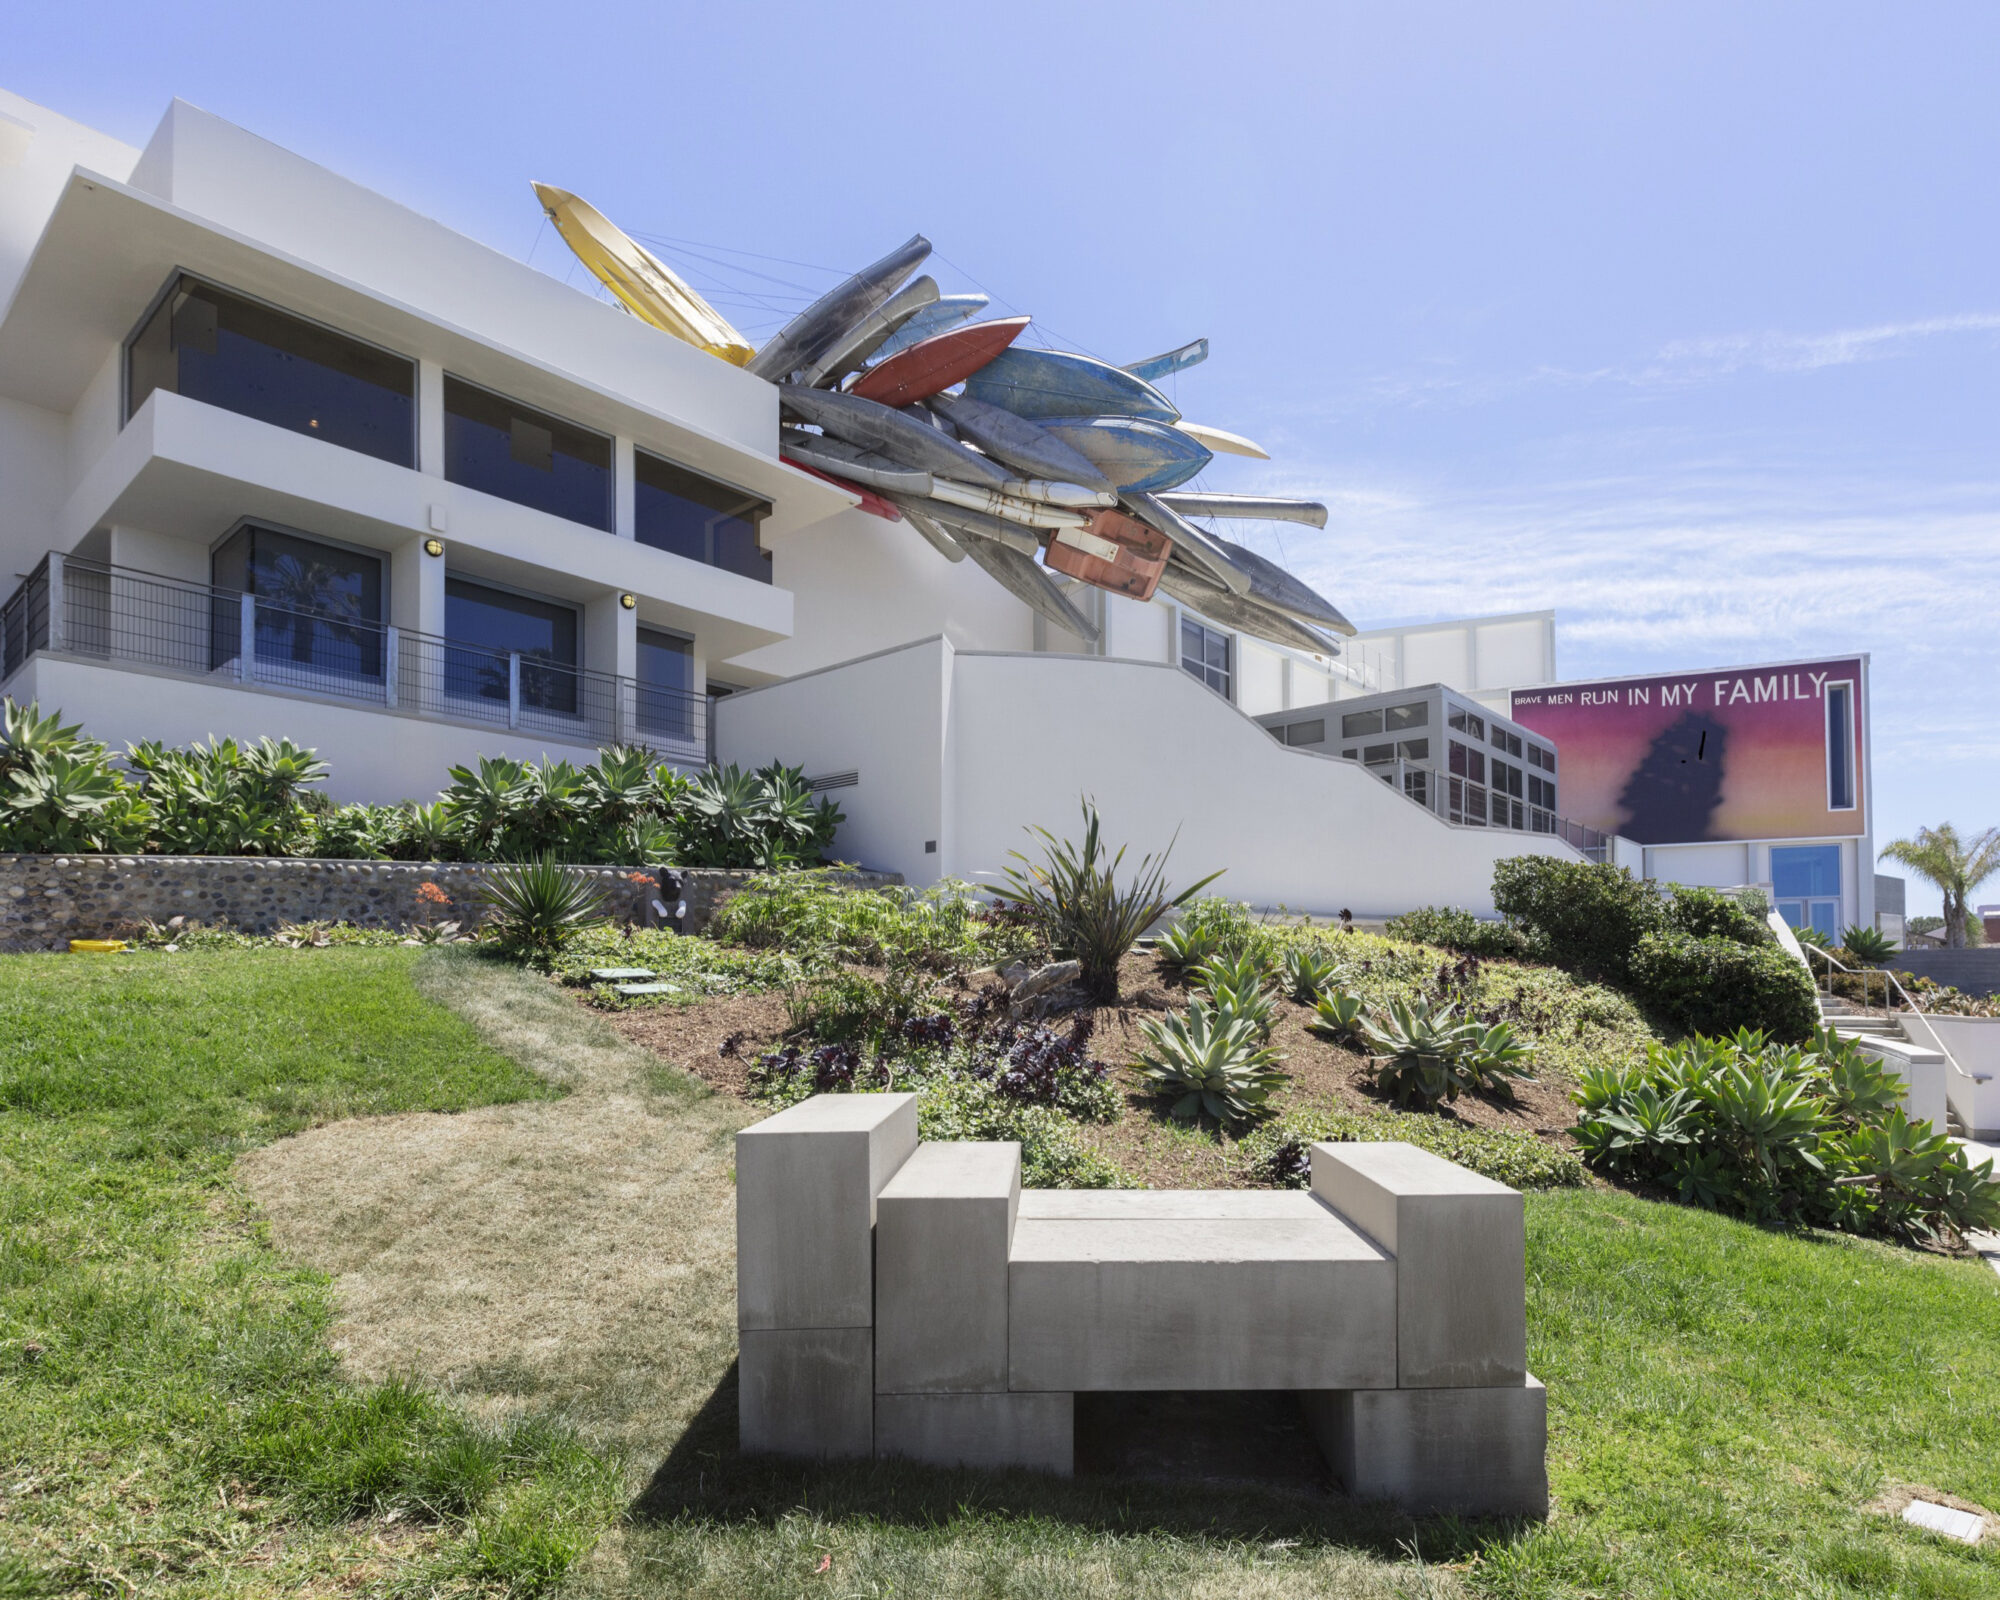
(629, 601)
(434, 547)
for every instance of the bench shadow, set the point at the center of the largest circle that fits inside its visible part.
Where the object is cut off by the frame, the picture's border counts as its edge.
(1219, 1466)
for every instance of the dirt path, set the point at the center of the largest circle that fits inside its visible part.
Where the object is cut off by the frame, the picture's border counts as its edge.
(574, 1254)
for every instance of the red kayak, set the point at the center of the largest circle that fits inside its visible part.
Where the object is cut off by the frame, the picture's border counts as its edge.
(933, 365)
(1138, 555)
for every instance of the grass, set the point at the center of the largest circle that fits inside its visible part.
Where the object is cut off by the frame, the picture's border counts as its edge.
(170, 1417)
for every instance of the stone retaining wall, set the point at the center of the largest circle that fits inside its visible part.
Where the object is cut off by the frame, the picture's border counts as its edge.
(45, 901)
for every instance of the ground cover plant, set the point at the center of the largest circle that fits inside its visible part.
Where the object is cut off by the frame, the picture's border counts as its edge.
(823, 920)
(170, 1417)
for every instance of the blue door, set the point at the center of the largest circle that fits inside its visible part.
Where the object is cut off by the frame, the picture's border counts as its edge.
(1805, 881)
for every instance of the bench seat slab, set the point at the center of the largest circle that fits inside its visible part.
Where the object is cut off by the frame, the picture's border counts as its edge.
(1477, 1452)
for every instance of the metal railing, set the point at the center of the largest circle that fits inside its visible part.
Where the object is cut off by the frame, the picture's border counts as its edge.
(1466, 804)
(1824, 981)
(76, 607)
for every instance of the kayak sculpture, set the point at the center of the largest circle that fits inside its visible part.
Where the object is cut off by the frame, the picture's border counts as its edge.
(1030, 462)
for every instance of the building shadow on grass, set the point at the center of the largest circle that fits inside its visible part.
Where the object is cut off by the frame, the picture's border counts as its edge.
(1218, 1466)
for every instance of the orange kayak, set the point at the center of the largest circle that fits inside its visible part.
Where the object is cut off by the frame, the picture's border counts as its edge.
(1116, 553)
(933, 365)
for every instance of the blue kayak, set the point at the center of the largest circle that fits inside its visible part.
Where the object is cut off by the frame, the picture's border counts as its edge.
(1053, 383)
(1138, 456)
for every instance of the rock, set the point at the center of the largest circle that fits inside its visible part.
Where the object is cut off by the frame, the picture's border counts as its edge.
(1053, 976)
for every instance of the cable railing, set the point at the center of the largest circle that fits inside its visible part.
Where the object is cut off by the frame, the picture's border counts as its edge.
(76, 607)
(1467, 804)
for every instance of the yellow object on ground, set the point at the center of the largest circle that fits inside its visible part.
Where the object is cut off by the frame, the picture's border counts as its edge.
(99, 947)
(653, 290)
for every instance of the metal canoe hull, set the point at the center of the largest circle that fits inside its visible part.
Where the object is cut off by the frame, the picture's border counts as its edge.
(1025, 446)
(1139, 456)
(1021, 577)
(1261, 507)
(1242, 612)
(1275, 587)
(1154, 368)
(895, 433)
(815, 331)
(1041, 384)
(934, 318)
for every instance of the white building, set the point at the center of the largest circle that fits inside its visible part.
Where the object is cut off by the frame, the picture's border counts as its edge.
(283, 457)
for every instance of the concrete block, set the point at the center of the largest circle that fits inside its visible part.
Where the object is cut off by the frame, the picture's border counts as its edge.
(1158, 1205)
(979, 1430)
(806, 1392)
(1460, 1243)
(1474, 1452)
(1173, 1302)
(942, 1227)
(806, 1182)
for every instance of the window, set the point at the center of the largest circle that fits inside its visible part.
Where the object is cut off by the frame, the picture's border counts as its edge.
(1467, 722)
(1313, 732)
(1414, 749)
(1396, 718)
(1359, 724)
(506, 449)
(1805, 882)
(1351, 754)
(488, 627)
(1205, 653)
(666, 686)
(1375, 754)
(1467, 763)
(246, 357)
(1541, 793)
(689, 515)
(1508, 742)
(318, 606)
(1840, 747)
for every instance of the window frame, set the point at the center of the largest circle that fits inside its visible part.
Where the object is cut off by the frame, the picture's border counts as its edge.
(1200, 671)
(1850, 742)
(165, 292)
(328, 679)
(537, 416)
(642, 453)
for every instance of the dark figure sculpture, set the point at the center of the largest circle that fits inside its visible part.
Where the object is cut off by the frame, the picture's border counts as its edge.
(1672, 794)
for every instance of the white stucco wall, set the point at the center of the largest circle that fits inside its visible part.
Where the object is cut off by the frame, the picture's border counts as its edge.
(38, 150)
(1024, 736)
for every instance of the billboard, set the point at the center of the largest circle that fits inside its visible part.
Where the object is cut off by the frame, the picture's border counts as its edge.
(1772, 752)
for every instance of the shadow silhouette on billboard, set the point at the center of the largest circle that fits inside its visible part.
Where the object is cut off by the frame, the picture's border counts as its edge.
(1673, 793)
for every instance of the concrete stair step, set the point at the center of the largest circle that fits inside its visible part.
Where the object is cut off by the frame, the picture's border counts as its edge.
(633, 991)
(622, 974)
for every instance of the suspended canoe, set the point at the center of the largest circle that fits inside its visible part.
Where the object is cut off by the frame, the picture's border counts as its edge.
(1193, 546)
(1137, 455)
(1071, 495)
(1154, 368)
(1043, 384)
(1229, 444)
(1273, 586)
(867, 467)
(651, 289)
(894, 433)
(874, 504)
(934, 318)
(1116, 553)
(1261, 507)
(1241, 612)
(822, 325)
(1028, 513)
(932, 532)
(860, 341)
(1023, 445)
(936, 363)
(976, 525)
(1022, 577)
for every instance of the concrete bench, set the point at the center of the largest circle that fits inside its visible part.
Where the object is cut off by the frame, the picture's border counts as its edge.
(1391, 1298)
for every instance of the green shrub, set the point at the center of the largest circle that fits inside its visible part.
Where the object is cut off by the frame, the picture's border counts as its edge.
(1710, 914)
(1712, 986)
(1228, 928)
(226, 799)
(1072, 897)
(767, 819)
(853, 1008)
(1279, 1153)
(61, 792)
(1452, 929)
(824, 921)
(1212, 1061)
(1779, 1132)
(1583, 917)
(538, 907)
(1425, 1055)
(1054, 1155)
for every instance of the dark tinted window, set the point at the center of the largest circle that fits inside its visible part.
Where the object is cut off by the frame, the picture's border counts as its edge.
(666, 686)
(318, 606)
(488, 627)
(1313, 732)
(1205, 653)
(1839, 747)
(678, 510)
(1356, 724)
(504, 448)
(224, 350)
(1397, 718)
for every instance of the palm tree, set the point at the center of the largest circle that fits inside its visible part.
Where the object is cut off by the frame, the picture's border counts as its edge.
(1957, 867)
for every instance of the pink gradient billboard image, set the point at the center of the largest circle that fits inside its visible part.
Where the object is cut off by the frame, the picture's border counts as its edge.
(1745, 753)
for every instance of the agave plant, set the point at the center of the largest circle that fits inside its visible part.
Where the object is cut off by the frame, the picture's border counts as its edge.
(1184, 946)
(1213, 1062)
(1236, 986)
(1305, 971)
(1856, 1085)
(1337, 1016)
(1870, 944)
(538, 906)
(1424, 1054)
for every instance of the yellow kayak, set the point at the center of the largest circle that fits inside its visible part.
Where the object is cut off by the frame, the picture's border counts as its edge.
(653, 290)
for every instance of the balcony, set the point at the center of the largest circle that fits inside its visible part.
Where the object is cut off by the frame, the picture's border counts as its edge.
(115, 615)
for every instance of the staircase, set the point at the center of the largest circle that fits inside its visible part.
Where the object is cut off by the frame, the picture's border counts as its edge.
(1885, 1038)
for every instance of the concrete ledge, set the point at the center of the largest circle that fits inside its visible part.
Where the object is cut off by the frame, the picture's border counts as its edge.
(942, 1228)
(1922, 1069)
(1037, 1431)
(806, 1182)
(1460, 1243)
(807, 1392)
(1473, 1452)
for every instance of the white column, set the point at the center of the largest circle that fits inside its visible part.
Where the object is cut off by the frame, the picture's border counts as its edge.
(625, 489)
(430, 419)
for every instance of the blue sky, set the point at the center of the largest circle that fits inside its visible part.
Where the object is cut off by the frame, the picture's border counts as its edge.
(1680, 318)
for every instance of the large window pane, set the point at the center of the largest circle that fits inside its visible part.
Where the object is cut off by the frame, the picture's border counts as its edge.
(1205, 654)
(504, 448)
(488, 627)
(1839, 747)
(678, 510)
(224, 350)
(666, 686)
(1804, 871)
(318, 606)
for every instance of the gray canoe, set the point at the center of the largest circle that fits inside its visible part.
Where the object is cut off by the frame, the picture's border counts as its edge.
(1023, 577)
(1025, 446)
(814, 332)
(867, 335)
(975, 525)
(869, 468)
(1240, 611)
(1197, 547)
(1264, 507)
(1273, 586)
(1154, 368)
(942, 313)
(930, 530)
(902, 437)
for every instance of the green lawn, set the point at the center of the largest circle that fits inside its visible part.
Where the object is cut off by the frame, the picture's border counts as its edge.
(1724, 1402)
